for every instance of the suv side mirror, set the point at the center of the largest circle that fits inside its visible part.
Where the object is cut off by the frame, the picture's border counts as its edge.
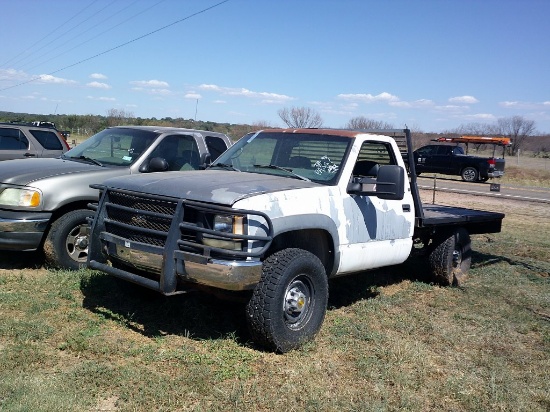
(206, 160)
(156, 164)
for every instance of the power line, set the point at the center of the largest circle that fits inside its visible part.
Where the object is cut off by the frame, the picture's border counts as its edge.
(94, 37)
(48, 35)
(77, 24)
(119, 46)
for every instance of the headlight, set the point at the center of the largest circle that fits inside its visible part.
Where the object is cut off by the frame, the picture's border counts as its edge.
(226, 224)
(229, 224)
(20, 197)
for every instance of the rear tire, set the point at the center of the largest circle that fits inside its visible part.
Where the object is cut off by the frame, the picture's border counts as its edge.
(288, 305)
(451, 259)
(469, 174)
(66, 245)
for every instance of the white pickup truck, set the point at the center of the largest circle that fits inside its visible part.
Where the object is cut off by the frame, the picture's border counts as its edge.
(277, 215)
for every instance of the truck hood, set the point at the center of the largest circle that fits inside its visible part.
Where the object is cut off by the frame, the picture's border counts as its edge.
(26, 171)
(215, 186)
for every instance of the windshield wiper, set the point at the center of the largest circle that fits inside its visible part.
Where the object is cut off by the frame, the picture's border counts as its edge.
(284, 169)
(225, 166)
(85, 158)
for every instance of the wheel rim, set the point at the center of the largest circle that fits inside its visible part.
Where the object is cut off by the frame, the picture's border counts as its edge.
(457, 257)
(76, 243)
(469, 175)
(297, 302)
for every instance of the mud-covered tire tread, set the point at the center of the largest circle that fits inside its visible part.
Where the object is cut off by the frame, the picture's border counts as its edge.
(54, 244)
(441, 259)
(264, 310)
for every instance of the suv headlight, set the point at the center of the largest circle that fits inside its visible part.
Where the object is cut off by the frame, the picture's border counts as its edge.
(226, 224)
(20, 197)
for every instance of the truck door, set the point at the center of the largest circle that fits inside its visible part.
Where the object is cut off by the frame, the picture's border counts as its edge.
(379, 231)
(441, 159)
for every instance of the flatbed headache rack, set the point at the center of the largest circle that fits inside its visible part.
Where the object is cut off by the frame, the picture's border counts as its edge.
(502, 141)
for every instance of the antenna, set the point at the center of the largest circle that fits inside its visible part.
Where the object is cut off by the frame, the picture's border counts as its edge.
(196, 107)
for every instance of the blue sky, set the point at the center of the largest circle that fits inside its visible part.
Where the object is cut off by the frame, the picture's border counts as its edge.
(431, 65)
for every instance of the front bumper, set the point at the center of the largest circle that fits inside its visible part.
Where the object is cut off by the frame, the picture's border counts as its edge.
(22, 231)
(233, 275)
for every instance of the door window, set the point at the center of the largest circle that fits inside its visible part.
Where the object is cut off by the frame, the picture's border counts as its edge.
(47, 139)
(216, 146)
(180, 152)
(13, 139)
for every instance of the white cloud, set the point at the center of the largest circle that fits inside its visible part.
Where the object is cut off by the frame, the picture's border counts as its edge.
(12, 74)
(101, 99)
(219, 101)
(150, 83)
(192, 95)
(417, 104)
(48, 78)
(463, 99)
(98, 85)
(369, 98)
(479, 116)
(157, 92)
(265, 97)
(98, 76)
(452, 108)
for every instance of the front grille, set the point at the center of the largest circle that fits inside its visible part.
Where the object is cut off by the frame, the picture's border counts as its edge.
(153, 220)
(139, 218)
(142, 203)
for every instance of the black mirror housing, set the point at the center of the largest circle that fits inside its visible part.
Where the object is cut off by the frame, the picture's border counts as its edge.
(389, 184)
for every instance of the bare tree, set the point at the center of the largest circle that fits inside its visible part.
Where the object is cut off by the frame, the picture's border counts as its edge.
(516, 128)
(476, 129)
(300, 117)
(116, 117)
(361, 122)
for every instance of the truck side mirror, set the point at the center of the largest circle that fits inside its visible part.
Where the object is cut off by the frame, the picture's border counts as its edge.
(389, 184)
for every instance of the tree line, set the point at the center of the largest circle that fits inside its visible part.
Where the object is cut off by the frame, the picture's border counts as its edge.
(522, 131)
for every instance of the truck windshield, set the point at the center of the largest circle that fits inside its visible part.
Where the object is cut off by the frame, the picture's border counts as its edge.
(309, 156)
(113, 147)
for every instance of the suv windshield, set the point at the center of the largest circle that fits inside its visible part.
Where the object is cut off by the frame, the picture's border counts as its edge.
(308, 156)
(114, 147)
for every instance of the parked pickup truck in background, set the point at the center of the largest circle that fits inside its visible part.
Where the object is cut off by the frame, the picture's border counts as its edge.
(43, 202)
(276, 216)
(452, 159)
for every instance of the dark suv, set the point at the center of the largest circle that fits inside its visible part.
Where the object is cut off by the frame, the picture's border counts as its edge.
(23, 140)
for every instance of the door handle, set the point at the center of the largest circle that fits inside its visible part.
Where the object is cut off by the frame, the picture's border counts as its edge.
(29, 155)
(406, 208)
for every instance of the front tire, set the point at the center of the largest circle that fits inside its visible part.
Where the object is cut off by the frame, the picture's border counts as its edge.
(66, 245)
(469, 174)
(289, 303)
(451, 259)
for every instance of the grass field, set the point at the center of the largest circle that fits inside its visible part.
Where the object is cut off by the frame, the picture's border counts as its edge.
(391, 341)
